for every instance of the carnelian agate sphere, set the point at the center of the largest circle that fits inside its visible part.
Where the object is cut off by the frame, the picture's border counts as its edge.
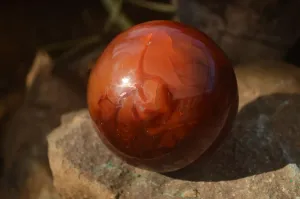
(161, 94)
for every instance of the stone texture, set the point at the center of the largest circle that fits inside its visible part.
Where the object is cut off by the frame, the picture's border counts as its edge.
(261, 159)
(264, 78)
(26, 173)
(247, 30)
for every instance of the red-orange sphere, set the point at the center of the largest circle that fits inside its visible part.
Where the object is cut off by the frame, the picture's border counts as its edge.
(161, 94)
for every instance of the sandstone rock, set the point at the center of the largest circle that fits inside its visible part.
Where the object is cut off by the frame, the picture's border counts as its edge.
(261, 159)
(264, 78)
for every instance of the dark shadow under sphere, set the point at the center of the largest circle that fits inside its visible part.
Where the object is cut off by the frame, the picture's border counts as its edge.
(266, 137)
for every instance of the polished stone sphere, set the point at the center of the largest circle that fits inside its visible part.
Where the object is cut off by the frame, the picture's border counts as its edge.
(161, 94)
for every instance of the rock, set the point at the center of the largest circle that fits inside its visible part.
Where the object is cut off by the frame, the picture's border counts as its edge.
(265, 78)
(261, 159)
(26, 173)
(17, 52)
(246, 30)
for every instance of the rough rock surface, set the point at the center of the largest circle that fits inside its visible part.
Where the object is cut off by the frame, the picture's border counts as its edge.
(261, 159)
(26, 173)
(247, 30)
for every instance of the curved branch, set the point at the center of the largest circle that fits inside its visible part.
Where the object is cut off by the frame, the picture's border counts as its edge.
(113, 8)
(160, 7)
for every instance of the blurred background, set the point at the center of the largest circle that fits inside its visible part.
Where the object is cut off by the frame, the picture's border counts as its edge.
(48, 47)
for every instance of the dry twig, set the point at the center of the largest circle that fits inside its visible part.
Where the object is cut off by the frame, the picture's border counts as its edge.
(155, 6)
(119, 18)
(70, 43)
(116, 16)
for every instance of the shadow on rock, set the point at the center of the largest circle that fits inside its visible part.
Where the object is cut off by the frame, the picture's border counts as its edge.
(266, 137)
